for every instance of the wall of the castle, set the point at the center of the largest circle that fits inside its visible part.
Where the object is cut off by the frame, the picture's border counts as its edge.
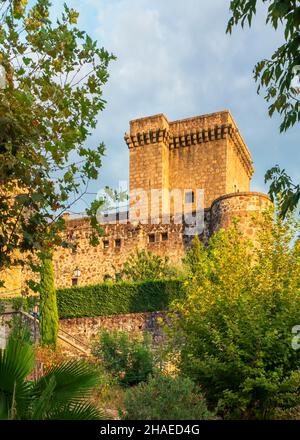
(86, 330)
(242, 206)
(12, 279)
(237, 178)
(149, 170)
(120, 240)
(106, 259)
(201, 167)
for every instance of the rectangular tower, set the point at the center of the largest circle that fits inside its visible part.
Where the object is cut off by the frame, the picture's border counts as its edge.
(204, 152)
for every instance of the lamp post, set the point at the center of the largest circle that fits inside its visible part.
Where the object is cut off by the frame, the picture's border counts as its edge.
(77, 272)
(76, 276)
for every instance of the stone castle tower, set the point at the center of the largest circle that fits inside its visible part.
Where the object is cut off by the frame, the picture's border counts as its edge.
(204, 152)
(201, 153)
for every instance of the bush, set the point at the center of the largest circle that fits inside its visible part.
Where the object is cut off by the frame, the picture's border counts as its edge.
(144, 265)
(118, 298)
(165, 398)
(19, 328)
(128, 360)
(237, 318)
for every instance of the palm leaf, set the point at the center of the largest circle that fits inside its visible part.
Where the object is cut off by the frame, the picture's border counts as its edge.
(74, 381)
(79, 411)
(16, 362)
(41, 405)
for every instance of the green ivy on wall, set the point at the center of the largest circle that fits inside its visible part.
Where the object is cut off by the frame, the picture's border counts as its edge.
(117, 298)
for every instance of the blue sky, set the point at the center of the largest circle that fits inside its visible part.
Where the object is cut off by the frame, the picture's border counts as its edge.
(174, 57)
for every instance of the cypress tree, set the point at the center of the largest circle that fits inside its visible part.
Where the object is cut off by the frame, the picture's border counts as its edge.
(48, 305)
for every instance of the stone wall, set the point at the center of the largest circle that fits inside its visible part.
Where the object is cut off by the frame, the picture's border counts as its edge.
(242, 206)
(86, 330)
(119, 241)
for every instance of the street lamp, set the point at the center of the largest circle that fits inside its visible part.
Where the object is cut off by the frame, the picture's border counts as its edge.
(77, 272)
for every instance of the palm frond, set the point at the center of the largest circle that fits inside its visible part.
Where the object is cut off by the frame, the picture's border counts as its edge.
(16, 362)
(74, 381)
(41, 405)
(79, 411)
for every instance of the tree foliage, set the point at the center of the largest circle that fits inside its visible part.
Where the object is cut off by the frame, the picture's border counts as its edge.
(128, 360)
(54, 76)
(166, 398)
(143, 265)
(48, 305)
(277, 73)
(283, 189)
(237, 319)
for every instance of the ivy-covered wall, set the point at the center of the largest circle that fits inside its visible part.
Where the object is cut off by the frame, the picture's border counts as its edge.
(117, 298)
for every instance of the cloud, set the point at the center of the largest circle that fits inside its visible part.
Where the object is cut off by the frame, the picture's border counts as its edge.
(175, 58)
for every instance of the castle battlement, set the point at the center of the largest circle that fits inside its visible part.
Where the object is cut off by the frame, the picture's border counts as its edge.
(203, 152)
(189, 132)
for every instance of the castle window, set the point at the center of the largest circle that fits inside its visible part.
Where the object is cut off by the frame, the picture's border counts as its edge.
(106, 244)
(164, 236)
(190, 197)
(118, 243)
(151, 238)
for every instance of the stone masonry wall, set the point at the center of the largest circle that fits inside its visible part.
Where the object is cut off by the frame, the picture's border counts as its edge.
(119, 241)
(87, 330)
(242, 206)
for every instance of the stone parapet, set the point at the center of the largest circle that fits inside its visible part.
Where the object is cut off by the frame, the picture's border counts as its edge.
(242, 206)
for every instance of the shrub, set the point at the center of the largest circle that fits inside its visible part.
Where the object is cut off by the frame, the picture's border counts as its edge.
(117, 298)
(237, 319)
(19, 328)
(128, 360)
(144, 265)
(165, 398)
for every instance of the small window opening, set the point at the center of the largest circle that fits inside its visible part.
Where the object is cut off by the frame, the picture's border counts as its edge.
(151, 238)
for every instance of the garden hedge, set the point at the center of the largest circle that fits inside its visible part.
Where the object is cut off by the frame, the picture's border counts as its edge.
(117, 298)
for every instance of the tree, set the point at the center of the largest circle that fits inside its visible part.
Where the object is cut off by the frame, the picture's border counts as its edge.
(282, 186)
(48, 305)
(164, 397)
(193, 257)
(53, 79)
(143, 265)
(130, 361)
(61, 394)
(277, 76)
(237, 319)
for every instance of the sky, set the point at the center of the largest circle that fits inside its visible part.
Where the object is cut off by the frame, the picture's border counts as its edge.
(174, 57)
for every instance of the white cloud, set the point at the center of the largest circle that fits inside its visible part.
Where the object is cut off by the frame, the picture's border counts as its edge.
(175, 58)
